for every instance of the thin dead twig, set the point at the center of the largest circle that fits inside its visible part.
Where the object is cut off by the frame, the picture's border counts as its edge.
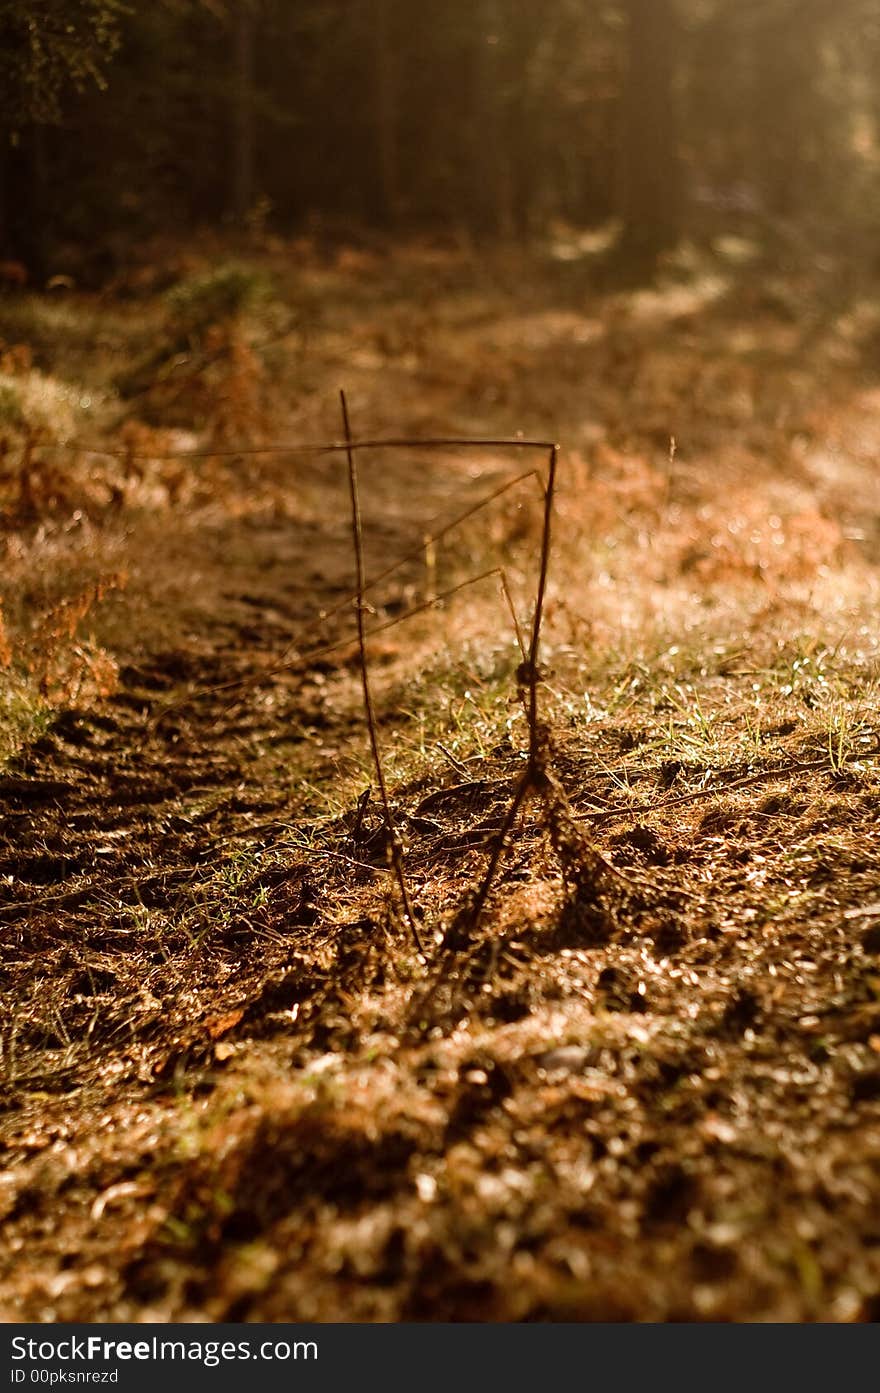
(533, 779)
(287, 662)
(313, 655)
(499, 845)
(520, 641)
(396, 850)
(782, 771)
(456, 763)
(534, 752)
(436, 536)
(331, 447)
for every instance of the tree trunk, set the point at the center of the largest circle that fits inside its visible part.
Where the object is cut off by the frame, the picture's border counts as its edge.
(790, 122)
(23, 199)
(242, 190)
(492, 195)
(650, 192)
(385, 91)
(6, 152)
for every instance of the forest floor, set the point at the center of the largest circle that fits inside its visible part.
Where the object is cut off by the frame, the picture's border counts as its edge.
(647, 1086)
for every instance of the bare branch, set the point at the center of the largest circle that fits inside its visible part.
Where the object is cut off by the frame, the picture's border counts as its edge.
(358, 543)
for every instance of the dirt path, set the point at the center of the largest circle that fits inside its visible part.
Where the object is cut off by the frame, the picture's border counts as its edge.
(151, 900)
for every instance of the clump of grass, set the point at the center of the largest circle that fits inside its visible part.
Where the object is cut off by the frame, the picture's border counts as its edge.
(23, 712)
(52, 666)
(34, 404)
(66, 667)
(24, 715)
(36, 409)
(11, 408)
(204, 372)
(200, 302)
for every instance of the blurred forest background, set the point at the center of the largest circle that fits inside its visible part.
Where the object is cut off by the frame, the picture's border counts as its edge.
(480, 118)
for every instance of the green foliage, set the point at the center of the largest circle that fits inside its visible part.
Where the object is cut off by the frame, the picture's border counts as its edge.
(201, 351)
(24, 715)
(50, 46)
(34, 402)
(213, 297)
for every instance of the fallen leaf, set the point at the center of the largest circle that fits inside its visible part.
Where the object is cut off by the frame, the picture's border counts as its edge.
(124, 1189)
(221, 1025)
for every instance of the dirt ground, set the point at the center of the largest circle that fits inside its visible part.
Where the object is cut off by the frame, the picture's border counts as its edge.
(647, 1086)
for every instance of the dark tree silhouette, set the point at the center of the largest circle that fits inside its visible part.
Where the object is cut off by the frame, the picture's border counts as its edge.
(242, 199)
(651, 184)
